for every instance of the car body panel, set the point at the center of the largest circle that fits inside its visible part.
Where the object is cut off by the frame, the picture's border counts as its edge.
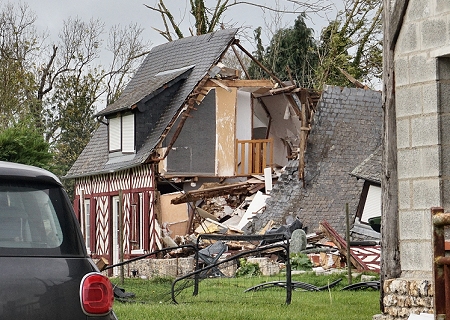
(41, 268)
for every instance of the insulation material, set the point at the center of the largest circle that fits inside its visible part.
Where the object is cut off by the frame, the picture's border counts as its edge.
(256, 206)
(174, 217)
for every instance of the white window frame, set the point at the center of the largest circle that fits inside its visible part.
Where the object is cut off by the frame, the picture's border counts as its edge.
(372, 206)
(87, 223)
(121, 134)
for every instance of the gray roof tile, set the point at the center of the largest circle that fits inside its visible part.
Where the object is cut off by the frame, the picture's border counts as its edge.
(370, 168)
(201, 52)
(146, 90)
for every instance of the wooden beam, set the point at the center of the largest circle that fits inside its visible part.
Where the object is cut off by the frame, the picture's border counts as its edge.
(390, 262)
(352, 79)
(240, 62)
(236, 42)
(195, 195)
(220, 84)
(390, 255)
(283, 89)
(303, 137)
(242, 83)
(341, 244)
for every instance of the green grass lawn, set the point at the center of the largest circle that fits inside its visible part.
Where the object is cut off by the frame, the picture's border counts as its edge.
(224, 298)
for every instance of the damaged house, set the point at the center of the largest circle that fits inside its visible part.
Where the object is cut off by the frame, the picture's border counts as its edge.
(184, 121)
(347, 129)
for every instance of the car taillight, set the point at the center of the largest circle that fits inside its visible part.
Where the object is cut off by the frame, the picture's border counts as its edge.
(96, 294)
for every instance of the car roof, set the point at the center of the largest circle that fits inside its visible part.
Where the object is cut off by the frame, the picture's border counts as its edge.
(26, 172)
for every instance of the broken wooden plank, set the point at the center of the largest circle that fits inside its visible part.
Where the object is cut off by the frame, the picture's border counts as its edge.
(303, 137)
(282, 90)
(220, 84)
(352, 79)
(241, 83)
(236, 42)
(195, 195)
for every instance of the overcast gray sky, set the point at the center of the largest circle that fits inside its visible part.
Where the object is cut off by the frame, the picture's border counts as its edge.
(52, 13)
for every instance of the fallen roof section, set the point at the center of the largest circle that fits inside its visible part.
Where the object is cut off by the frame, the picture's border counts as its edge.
(364, 258)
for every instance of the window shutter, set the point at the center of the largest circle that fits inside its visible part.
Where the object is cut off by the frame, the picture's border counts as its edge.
(128, 133)
(92, 217)
(114, 134)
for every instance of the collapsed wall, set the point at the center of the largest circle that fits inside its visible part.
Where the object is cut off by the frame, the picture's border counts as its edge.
(347, 128)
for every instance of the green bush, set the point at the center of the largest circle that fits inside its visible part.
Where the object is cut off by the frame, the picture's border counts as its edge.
(300, 261)
(247, 269)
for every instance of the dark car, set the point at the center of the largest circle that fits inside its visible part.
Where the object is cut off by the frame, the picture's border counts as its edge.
(45, 271)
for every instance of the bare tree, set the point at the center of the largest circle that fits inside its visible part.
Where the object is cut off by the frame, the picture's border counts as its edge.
(128, 50)
(209, 18)
(19, 45)
(73, 62)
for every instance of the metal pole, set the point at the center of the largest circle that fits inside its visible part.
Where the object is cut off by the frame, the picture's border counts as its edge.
(349, 264)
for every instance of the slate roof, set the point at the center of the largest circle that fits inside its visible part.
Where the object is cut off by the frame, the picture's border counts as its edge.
(347, 128)
(162, 64)
(370, 168)
(146, 91)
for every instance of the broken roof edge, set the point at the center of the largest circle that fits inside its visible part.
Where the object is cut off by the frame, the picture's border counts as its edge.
(95, 159)
(185, 108)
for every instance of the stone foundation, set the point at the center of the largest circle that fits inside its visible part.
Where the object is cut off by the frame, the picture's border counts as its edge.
(403, 297)
(150, 268)
(266, 266)
(177, 267)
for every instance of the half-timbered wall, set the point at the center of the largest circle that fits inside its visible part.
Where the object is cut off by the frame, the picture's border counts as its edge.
(100, 190)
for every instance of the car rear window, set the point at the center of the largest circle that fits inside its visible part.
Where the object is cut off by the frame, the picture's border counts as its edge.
(35, 219)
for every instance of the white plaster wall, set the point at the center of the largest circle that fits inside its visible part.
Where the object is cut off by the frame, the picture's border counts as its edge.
(244, 116)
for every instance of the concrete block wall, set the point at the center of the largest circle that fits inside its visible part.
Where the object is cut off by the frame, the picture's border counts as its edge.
(418, 74)
(422, 78)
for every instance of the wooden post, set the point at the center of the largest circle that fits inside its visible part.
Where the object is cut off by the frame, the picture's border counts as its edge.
(390, 256)
(303, 136)
(347, 233)
(120, 235)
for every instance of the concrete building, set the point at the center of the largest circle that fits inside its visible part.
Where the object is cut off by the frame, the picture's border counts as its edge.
(421, 51)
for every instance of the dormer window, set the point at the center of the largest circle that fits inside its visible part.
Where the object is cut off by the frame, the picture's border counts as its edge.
(121, 134)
